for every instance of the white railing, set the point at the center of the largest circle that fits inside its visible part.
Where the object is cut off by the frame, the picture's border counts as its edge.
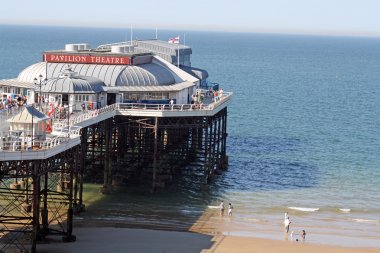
(82, 116)
(58, 140)
(9, 143)
(64, 133)
(177, 107)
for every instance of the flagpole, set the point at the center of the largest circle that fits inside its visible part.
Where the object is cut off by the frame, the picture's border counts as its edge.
(131, 34)
(178, 54)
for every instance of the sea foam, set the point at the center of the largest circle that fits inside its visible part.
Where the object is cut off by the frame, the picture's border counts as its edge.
(304, 209)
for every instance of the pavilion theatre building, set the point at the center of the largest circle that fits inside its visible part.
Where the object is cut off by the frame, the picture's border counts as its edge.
(149, 71)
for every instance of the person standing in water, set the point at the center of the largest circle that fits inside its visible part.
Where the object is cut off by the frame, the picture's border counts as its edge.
(230, 207)
(287, 224)
(221, 208)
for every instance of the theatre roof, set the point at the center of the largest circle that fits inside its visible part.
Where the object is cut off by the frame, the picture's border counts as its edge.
(73, 85)
(150, 74)
(16, 83)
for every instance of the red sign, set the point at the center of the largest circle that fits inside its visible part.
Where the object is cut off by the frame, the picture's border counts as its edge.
(87, 59)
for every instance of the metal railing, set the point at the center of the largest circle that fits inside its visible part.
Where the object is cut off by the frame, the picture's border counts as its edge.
(11, 143)
(82, 116)
(65, 129)
(177, 107)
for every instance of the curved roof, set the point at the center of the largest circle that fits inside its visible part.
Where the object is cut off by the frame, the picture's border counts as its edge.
(33, 71)
(145, 75)
(111, 75)
(196, 72)
(73, 84)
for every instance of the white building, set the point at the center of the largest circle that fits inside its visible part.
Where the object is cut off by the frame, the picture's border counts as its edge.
(108, 74)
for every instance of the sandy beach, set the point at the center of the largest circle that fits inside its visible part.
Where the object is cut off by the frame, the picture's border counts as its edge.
(105, 239)
(232, 244)
(209, 234)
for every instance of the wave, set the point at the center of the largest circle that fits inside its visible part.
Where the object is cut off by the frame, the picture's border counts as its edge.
(303, 209)
(376, 222)
(345, 210)
(213, 207)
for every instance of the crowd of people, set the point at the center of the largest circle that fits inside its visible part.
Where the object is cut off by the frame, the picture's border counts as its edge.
(11, 106)
(199, 98)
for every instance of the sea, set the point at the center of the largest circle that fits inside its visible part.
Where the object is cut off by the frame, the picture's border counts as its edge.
(303, 133)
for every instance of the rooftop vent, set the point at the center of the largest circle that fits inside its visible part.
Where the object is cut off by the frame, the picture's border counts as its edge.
(67, 72)
(124, 49)
(77, 47)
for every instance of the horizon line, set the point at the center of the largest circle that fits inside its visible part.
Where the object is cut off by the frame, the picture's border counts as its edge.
(356, 34)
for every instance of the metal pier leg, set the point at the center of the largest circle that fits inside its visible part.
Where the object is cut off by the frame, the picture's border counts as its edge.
(36, 205)
(206, 154)
(81, 206)
(44, 211)
(219, 161)
(155, 154)
(106, 189)
(224, 140)
(214, 154)
(69, 235)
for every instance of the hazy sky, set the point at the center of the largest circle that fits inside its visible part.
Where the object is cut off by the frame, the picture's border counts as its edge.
(349, 17)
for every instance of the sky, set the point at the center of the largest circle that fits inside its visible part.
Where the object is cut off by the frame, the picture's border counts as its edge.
(331, 17)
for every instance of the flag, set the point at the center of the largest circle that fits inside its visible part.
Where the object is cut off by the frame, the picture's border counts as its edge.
(174, 40)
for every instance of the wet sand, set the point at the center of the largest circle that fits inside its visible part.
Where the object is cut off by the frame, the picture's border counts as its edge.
(211, 233)
(233, 244)
(229, 237)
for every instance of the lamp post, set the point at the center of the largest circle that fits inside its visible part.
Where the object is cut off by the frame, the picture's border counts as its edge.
(68, 121)
(40, 81)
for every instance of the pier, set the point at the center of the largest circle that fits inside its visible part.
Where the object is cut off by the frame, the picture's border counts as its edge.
(41, 188)
(133, 118)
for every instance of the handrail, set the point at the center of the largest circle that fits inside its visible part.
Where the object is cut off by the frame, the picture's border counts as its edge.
(62, 137)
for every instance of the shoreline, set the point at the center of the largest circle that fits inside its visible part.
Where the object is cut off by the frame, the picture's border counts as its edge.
(211, 223)
(227, 234)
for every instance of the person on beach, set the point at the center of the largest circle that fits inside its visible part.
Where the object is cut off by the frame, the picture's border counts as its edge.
(230, 207)
(286, 216)
(303, 235)
(221, 208)
(287, 224)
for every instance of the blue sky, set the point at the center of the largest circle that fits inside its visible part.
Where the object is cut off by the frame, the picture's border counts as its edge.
(345, 17)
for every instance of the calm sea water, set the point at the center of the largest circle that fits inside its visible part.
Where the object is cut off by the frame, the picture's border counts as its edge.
(303, 131)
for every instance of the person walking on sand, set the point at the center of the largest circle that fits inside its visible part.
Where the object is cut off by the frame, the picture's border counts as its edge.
(286, 224)
(230, 207)
(221, 208)
(303, 235)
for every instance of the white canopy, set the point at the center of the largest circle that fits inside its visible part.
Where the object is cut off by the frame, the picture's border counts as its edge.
(28, 114)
